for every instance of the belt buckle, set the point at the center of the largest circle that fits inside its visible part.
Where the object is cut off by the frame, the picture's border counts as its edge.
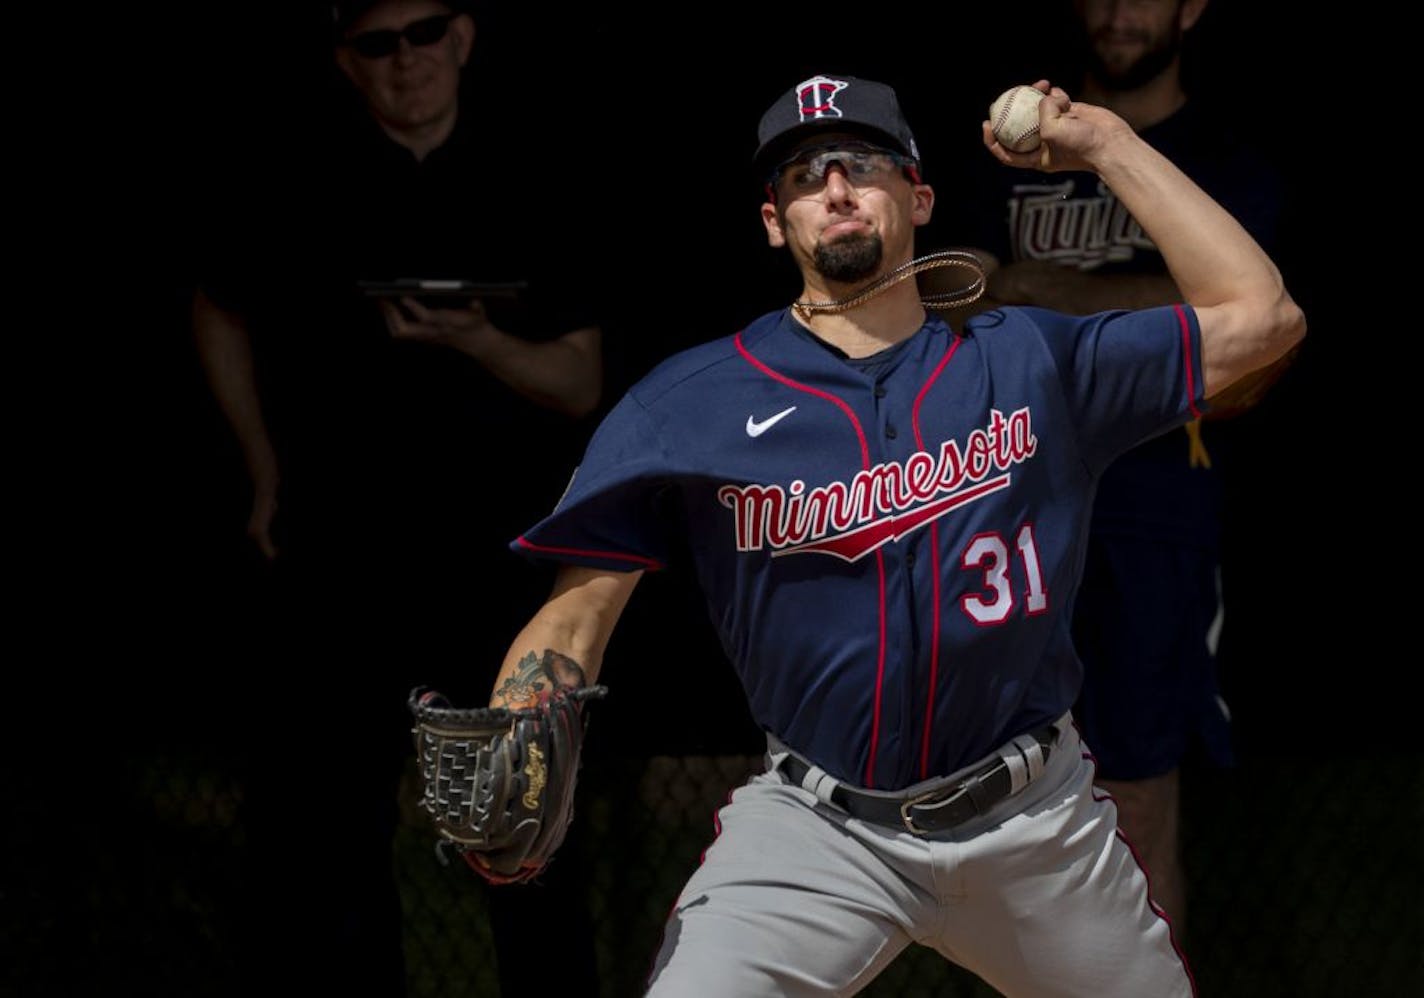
(915, 801)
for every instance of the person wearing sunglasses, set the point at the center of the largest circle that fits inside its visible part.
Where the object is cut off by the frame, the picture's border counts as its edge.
(405, 58)
(373, 431)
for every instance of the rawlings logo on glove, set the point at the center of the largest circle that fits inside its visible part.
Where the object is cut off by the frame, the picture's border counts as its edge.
(499, 782)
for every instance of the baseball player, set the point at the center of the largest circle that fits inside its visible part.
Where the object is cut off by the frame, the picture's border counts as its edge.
(888, 520)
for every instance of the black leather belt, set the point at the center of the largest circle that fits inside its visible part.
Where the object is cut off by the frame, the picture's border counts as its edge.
(931, 809)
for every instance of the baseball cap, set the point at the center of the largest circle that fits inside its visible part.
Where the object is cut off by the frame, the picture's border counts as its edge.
(839, 103)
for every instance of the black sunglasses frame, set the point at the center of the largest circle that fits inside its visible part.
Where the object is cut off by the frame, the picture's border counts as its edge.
(384, 42)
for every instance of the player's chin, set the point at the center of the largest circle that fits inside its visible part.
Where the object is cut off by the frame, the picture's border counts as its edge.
(851, 256)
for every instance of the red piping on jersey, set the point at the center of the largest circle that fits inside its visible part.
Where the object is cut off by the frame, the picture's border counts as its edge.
(1187, 353)
(934, 570)
(648, 563)
(879, 555)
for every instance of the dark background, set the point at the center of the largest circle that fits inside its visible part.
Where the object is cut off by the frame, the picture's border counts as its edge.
(658, 198)
(141, 595)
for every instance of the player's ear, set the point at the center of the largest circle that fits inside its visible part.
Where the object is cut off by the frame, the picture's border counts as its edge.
(771, 218)
(923, 205)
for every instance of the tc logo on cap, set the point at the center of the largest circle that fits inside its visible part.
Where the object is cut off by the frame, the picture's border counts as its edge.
(818, 97)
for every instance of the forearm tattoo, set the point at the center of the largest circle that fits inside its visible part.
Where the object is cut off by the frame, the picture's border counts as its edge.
(535, 678)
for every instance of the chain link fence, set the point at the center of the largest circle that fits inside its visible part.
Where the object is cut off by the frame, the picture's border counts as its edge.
(1304, 881)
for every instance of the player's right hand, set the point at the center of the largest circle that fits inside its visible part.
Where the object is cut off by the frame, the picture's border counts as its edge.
(1072, 134)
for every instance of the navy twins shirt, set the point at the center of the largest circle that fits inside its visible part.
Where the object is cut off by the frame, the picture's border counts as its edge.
(889, 561)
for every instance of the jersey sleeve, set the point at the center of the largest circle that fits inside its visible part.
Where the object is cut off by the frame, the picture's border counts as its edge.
(610, 514)
(1127, 375)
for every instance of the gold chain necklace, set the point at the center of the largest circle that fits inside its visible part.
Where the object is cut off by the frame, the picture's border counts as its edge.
(943, 299)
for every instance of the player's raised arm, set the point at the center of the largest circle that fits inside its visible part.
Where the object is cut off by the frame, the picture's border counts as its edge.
(1247, 317)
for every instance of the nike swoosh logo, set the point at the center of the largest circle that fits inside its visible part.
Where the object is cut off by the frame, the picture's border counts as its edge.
(755, 429)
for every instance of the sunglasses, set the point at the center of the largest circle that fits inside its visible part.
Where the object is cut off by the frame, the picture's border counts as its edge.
(386, 41)
(806, 172)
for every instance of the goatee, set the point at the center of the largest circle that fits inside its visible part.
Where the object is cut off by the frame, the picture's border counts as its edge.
(1118, 77)
(850, 258)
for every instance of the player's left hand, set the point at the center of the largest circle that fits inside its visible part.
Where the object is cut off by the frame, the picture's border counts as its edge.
(499, 783)
(414, 321)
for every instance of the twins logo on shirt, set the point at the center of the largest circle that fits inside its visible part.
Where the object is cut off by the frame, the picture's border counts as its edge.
(848, 520)
(1048, 222)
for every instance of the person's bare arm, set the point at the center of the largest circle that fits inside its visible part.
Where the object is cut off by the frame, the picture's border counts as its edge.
(225, 351)
(1079, 292)
(563, 644)
(1248, 320)
(563, 374)
(1049, 285)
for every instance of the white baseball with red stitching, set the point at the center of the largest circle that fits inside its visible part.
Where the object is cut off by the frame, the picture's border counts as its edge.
(1014, 118)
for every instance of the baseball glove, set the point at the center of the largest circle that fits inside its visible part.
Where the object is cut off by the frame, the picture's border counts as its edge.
(499, 783)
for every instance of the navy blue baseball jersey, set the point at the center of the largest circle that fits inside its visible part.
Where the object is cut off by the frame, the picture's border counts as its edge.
(889, 560)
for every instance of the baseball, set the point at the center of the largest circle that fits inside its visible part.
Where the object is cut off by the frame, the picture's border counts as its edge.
(1014, 118)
